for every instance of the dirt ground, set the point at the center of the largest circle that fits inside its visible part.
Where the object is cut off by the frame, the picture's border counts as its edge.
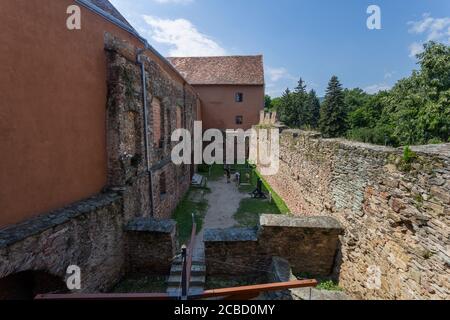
(223, 202)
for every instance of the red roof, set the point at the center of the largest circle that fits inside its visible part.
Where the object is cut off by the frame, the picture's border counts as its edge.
(228, 70)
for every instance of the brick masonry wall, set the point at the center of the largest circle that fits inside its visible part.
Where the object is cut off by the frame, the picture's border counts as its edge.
(309, 244)
(395, 214)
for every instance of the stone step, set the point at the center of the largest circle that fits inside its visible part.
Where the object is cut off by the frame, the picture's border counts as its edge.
(178, 261)
(176, 291)
(197, 270)
(196, 281)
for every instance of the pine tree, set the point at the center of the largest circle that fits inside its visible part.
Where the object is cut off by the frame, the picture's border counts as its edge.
(285, 111)
(300, 101)
(332, 112)
(313, 109)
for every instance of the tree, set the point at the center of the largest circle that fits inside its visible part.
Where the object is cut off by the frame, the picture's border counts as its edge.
(300, 99)
(267, 102)
(415, 111)
(332, 113)
(313, 109)
(276, 102)
(287, 109)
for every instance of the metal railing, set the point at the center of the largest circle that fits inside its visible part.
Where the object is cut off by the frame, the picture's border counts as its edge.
(187, 255)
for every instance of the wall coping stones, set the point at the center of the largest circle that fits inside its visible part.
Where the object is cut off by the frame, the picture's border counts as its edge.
(231, 235)
(432, 149)
(39, 224)
(151, 225)
(278, 220)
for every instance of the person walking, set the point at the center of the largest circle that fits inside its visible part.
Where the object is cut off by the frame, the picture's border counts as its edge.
(228, 173)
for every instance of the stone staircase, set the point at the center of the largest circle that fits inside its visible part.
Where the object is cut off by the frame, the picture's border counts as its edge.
(198, 278)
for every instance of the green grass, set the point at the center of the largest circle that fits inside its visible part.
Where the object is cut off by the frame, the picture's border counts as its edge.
(329, 286)
(325, 283)
(183, 216)
(213, 172)
(276, 199)
(250, 209)
(142, 284)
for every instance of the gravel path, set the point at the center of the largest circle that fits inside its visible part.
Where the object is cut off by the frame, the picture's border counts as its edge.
(223, 203)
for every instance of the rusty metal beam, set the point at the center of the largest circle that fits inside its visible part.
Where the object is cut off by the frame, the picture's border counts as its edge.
(255, 290)
(245, 293)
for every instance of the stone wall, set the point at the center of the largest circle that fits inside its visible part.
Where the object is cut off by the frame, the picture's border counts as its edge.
(395, 211)
(126, 135)
(268, 118)
(88, 234)
(150, 245)
(309, 244)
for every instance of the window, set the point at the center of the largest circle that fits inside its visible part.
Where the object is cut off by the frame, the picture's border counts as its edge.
(239, 120)
(162, 184)
(239, 97)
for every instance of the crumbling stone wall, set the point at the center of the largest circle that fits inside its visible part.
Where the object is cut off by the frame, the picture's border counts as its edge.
(395, 211)
(88, 234)
(268, 118)
(309, 244)
(151, 245)
(143, 195)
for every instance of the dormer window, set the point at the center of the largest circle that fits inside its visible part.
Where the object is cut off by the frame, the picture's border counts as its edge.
(239, 97)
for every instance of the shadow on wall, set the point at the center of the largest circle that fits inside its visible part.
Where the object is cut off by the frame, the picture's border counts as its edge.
(27, 284)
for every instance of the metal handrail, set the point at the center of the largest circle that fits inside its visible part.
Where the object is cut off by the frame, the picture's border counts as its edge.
(187, 263)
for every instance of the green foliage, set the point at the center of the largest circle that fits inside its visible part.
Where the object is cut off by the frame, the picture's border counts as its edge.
(183, 216)
(299, 109)
(267, 102)
(329, 286)
(408, 158)
(332, 121)
(415, 111)
(408, 155)
(275, 105)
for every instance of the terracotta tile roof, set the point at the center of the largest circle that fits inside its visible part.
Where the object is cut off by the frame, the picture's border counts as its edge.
(106, 6)
(231, 70)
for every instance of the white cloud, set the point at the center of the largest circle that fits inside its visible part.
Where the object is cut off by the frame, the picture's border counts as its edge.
(389, 74)
(174, 1)
(415, 48)
(277, 79)
(434, 29)
(377, 88)
(276, 74)
(182, 37)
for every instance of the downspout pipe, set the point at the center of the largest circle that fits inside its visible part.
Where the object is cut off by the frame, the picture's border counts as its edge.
(141, 62)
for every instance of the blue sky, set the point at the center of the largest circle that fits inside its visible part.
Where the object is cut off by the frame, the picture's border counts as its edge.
(314, 39)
